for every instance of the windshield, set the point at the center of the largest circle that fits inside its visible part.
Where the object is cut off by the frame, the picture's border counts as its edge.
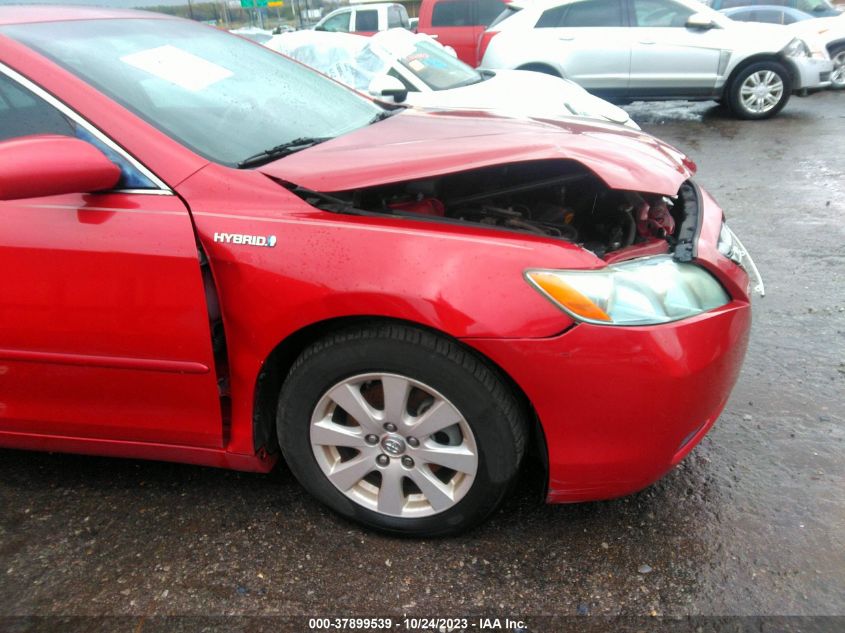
(223, 97)
(427, 59)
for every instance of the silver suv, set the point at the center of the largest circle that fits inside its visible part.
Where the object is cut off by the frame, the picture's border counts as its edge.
(657, 49)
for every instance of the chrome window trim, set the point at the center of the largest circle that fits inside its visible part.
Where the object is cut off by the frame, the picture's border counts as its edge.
(162, 188)
(146, 192)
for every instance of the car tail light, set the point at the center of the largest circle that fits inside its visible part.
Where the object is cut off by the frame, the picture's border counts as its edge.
(483, 43)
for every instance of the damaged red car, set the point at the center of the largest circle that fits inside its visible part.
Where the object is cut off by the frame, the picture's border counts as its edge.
(217, 256)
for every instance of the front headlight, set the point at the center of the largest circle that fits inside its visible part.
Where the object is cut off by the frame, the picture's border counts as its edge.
(730, 246)
(638, 292)
(797, 48)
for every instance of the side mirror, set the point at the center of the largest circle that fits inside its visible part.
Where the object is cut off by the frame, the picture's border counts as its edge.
(700, 22)
(387, 86)
(51, 165)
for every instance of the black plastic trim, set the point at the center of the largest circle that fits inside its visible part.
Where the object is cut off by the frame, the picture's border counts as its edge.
(686, 248)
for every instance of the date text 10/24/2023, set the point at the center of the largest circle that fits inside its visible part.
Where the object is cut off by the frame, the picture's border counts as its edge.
(439, 624)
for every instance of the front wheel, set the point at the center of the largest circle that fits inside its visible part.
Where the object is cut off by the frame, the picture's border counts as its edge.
(760, 90)
(837, 77)
(401, 430)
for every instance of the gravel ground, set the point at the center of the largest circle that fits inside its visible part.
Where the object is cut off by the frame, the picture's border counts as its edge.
(750, 524)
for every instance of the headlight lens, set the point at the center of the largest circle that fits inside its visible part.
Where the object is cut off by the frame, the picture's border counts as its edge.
(639, 292)
(730, 246)
(797, 48)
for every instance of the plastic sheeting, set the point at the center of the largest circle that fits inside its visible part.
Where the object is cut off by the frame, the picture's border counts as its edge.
(344, 57)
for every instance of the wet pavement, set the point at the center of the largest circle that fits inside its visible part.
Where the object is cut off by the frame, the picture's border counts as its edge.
(751, 523)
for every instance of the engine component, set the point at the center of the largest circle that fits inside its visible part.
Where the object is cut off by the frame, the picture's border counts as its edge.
(551, 198)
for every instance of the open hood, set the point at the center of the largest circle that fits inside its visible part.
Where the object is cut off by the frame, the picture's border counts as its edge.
(419, 144)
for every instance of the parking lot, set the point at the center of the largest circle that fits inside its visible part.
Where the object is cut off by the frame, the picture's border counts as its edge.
(750, 524)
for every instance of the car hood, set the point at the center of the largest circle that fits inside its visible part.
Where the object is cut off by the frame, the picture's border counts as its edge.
(420, 144)
(506, 91)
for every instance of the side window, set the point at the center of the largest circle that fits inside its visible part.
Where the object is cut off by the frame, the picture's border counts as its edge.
(658, 13)
(489, 10)
(730, 4)
(23, 113)
(394, 18)
(594, 13)
(366, 20)
(452, 13)
(770, 16)
(551, 18)
(744, 15)
(338, 23)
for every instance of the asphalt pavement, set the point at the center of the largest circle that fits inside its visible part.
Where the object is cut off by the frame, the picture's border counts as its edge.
(751, 523)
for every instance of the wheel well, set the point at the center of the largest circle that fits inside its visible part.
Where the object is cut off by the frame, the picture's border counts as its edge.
(540, 68)
(832, 46)
(277, 365)
(762, 57)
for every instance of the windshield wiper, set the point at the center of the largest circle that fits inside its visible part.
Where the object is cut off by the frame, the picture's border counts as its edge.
(280, 151)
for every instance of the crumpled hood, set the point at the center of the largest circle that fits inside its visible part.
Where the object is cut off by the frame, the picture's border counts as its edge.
(420, 144)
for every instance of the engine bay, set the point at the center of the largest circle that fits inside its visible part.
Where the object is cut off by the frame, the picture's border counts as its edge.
(558, 199)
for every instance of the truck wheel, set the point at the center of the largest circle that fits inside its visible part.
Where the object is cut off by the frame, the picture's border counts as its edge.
(760, 90)
(400, 430)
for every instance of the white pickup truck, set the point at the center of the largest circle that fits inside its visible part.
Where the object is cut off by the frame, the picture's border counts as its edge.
(365, 18)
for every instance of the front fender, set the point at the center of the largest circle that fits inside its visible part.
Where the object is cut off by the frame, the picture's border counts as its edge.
(466, 282)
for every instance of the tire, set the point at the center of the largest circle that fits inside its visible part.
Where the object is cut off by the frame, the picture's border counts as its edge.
(775, 88)
(837, 77)
(442, 385)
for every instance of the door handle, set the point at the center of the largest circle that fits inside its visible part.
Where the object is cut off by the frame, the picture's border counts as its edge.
(647, 42)
(566, 38)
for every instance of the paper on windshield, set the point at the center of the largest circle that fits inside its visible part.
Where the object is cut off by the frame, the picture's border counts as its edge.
(178, 67)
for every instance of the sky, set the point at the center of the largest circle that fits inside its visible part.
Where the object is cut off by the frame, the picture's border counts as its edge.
(121, 4)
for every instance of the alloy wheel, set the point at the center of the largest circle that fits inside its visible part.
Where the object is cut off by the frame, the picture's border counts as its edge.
(393, 445)
(837, 77)
(761, 91)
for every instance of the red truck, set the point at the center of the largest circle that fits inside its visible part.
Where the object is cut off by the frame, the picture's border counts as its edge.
(459, 24)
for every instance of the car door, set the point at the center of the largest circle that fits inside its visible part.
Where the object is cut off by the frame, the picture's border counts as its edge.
(104, 330)
(667, 58)
(453, 23)
(338, 23)
(591, 41)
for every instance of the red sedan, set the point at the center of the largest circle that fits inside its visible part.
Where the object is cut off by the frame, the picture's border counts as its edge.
(214, 255)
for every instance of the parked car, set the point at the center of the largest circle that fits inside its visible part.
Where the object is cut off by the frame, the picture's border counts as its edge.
(829, 33)
(818, 8)
(417, 70)
(365, 19)
(224, 258)
(459, 23)
(657, 49)
(262, 36)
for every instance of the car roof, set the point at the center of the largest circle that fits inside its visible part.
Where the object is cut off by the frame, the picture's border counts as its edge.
(19, 14)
